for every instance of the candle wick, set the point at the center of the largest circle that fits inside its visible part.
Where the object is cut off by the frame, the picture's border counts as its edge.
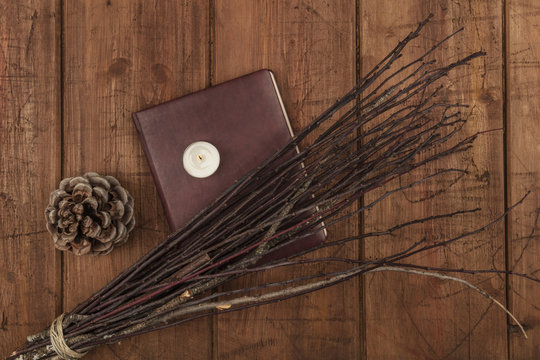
(200, 157)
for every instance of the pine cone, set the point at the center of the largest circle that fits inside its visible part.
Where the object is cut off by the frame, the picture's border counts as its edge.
(90, 214)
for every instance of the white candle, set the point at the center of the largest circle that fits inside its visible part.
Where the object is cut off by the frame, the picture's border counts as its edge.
(201, 159)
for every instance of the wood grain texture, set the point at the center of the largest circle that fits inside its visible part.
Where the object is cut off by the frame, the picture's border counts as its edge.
(523, 154)
(29, 166)
(408, 317)
(310, 46)
(120, 57)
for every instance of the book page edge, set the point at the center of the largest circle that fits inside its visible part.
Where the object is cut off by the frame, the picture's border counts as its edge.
(291, 132)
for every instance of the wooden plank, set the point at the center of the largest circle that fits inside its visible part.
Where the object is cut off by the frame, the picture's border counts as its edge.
(311, 48)
(122, 56)
(408, 317)
(29, 167)
(523, 152)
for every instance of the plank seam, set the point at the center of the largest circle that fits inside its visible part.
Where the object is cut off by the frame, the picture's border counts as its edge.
(507, 255)
(211, 29)
(59, 254)
(362, 348)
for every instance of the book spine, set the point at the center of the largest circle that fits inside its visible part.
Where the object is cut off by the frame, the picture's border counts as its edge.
(137, 122)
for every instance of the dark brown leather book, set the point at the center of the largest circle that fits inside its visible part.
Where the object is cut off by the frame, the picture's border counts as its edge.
(243, 118)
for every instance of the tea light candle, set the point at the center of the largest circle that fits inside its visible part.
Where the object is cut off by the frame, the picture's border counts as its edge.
(201, 159)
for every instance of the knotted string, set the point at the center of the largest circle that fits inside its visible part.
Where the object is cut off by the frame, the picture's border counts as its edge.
(56, 334)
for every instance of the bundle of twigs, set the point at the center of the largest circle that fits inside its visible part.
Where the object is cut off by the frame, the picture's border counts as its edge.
(389, 124)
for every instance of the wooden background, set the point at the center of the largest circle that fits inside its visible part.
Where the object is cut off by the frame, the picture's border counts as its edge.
(72, 72)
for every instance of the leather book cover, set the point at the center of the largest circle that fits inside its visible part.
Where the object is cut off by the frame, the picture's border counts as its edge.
(243, 118)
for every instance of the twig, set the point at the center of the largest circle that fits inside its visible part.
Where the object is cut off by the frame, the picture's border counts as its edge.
(455, 279)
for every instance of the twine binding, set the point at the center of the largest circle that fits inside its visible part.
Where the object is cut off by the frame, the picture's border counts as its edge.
(59, 345)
